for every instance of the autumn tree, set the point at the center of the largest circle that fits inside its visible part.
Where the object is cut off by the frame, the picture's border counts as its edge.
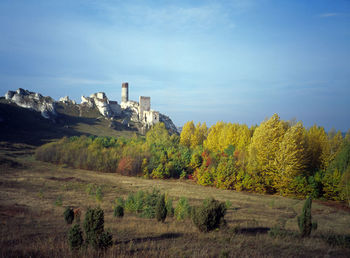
(263, 149)
(186, 134)
(318, 148)
(291, 158)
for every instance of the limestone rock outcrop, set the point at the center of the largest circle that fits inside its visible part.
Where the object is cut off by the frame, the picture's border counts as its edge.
(32, 100)
(130, 111)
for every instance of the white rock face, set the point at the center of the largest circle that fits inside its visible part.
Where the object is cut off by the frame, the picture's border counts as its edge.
(129, 110)
(67, 100)
(32, 100)
(101, 101)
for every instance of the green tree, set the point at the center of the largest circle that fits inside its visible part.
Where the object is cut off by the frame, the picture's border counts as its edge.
(161, 210)
(75, 237)
(305, 220)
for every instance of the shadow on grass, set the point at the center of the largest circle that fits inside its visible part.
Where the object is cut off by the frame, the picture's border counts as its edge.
(152, 238)
(252, 231)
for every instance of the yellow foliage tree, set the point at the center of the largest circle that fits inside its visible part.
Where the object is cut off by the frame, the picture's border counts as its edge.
(263, 149)
(212, 141)
(186, 134)
(318, 148)
(291, 158)
(199, 135)
(335, 141)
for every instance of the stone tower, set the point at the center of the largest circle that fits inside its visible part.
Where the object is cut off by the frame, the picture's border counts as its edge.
(125, 92)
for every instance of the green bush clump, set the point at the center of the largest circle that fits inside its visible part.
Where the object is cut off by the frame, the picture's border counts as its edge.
(183, 209)
(305, 221)
(169, 207)
(142, 203)
(118, 211)
(94, 229)
(161, 210)
(68, 215)
(75, 237)
(99, 194)
(209, 216)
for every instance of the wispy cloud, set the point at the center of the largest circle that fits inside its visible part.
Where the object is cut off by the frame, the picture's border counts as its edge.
(82, 81)
(327, 15)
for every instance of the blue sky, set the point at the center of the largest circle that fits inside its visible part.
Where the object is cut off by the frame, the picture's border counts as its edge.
(235, 61)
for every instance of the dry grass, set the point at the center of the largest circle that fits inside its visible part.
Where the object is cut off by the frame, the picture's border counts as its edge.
(32, 223)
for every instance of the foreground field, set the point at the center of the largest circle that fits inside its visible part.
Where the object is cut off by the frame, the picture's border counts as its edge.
(33, 196)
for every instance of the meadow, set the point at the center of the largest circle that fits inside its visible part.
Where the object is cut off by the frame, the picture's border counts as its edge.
(34, 195)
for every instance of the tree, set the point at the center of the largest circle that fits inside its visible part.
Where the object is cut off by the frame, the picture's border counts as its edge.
(161, 210)
(212, 141)
(199, 135)
(291, 159)
(93, 226)
(75, 237)
(158, 135)
(186, 134)
(209, 216)
(305, 220)
(318, 148)
(263, 149)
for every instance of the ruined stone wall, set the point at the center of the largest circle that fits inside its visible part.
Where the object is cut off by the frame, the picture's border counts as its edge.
(144, 105)
(150, 117)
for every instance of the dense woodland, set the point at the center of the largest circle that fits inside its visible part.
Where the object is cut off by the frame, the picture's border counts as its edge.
(275, 157)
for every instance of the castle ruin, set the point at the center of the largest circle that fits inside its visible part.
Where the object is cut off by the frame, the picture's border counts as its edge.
(146, 116)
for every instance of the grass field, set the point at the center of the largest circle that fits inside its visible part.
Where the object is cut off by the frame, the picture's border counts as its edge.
(33, 195)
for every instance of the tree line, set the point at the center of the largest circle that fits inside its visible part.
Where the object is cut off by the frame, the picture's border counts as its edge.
(275, 157)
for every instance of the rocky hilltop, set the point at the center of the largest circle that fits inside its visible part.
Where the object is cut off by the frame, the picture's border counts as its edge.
(130, 114)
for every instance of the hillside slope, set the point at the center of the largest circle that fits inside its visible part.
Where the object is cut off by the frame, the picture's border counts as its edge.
(22, 125)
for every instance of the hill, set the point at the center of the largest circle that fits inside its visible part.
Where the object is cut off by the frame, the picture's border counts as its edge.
(23, 125)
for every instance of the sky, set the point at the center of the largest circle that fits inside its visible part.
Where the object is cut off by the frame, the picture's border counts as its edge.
(236, 61)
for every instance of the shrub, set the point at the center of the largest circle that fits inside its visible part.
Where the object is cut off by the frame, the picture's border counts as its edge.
(99, 194)
(93, 226)
(118, 211)
(169, 207)
(105, 240)
(209, 216)
(68, 215)
(75, 237)
(305, 221)
(183, 209)
(161, 210)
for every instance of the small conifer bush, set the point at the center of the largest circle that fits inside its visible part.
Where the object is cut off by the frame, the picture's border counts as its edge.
(75, 237)
(93, 226)
(209, 216)
(183, 209)
(161, 210)
(118, 211)
(305, 221)
(68, 215)
(105, 240)
(169, 207)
